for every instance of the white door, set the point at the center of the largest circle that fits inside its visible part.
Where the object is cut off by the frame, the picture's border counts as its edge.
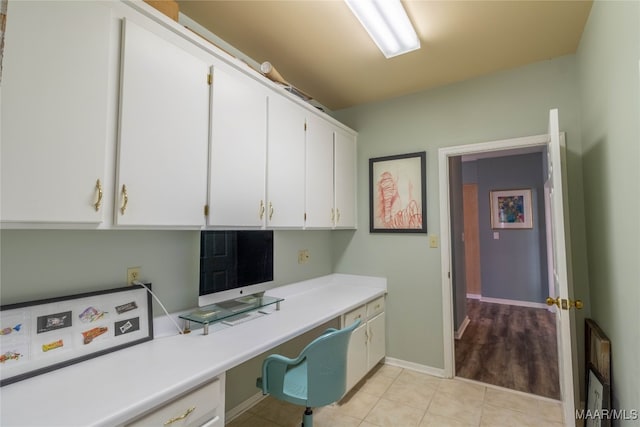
(285, 163)
(55, 91)
(345, 180)
(164, 124)
(560, 273)
(319, 174)
(238, 150)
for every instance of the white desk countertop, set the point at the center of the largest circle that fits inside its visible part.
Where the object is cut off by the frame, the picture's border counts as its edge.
(112, 389)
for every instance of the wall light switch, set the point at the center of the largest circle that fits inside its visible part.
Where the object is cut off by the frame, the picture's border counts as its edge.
(496, 235)
(433, 241)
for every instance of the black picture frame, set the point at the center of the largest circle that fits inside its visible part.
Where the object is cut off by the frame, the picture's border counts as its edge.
(48, 334)
(398, 193)
(598, 399)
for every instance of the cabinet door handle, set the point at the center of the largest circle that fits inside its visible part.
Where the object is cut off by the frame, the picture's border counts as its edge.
(180, 417)
(337, 215)
(333, 216)
(270, 211)
(261, 210)
(125, 199)
(99, 190)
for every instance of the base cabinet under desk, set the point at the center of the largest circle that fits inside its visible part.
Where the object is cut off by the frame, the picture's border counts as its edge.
(367, 345)
(200, 407)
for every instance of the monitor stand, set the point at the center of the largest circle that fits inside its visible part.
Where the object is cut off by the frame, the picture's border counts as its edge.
(226, 309)
(233, 305)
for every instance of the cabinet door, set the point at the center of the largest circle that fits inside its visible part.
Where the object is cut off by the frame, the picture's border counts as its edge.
(319, 174)
(376, 340)
(285, 163)
(357, 356)
(162, 158)
(55, 85)
(238, 150)
(345, 180)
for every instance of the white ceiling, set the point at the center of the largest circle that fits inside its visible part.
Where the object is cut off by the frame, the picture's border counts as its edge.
(320, 47)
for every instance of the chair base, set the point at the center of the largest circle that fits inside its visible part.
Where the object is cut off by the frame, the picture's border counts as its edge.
(307, 418)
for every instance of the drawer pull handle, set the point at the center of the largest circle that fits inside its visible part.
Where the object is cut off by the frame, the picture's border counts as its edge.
(270, 211)
(125, 199)
(99, 201)
(181, 417)
(261, 210)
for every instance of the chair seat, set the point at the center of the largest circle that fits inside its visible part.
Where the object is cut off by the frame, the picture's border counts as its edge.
(295, 384)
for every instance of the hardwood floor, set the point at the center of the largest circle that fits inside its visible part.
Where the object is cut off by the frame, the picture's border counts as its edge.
(510, 346)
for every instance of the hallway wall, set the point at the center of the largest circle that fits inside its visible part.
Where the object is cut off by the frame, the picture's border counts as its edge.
(514, 266)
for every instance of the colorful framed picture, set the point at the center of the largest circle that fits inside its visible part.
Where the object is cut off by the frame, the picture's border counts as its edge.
(397, 193)
(511, 209)
(43, 335)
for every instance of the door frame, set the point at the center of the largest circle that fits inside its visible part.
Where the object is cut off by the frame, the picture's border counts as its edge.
(445, 238)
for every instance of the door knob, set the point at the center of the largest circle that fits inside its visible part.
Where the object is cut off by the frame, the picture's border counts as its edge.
(565, 304)
(551, 301)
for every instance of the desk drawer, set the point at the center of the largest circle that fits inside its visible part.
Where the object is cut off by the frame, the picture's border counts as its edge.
(353, 315)
(197, 407)
(375, 307)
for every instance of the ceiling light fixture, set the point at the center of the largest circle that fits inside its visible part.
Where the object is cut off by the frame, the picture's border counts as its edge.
(387, 24)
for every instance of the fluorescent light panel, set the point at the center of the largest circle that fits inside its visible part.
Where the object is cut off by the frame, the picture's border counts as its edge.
(387, 24)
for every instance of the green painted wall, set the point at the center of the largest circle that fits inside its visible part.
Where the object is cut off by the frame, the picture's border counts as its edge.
(46, 263)
(503, 105)
(609, 70)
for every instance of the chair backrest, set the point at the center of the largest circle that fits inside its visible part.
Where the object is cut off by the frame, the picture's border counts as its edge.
(326, 358)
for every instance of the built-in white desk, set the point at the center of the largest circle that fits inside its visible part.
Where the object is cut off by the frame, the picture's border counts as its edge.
(113, 389)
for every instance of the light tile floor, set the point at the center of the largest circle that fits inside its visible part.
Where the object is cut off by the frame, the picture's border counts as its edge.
(391, 396)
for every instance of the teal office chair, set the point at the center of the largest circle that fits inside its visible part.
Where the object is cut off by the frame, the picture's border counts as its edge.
(317, 377)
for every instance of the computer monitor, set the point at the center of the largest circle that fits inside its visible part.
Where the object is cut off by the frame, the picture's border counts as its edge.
(234, 264)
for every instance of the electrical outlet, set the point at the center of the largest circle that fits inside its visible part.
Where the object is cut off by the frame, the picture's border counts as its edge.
(433, 241)
(133, 274)
(303, 256)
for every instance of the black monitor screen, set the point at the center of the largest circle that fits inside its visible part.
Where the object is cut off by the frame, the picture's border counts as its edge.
(233, 259)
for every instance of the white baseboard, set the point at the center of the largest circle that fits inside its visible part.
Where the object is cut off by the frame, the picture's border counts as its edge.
(243, 407)
(514, 302)
(430, 370)
(474, 296)
(458, 334)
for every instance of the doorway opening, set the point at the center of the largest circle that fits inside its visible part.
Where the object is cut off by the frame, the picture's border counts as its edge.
(556, 174)
(516, 146)
(504, 333)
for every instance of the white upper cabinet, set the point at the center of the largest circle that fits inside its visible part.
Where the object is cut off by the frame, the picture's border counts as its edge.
(345, 179)
(285, 163)
(111, 118)
(54, 112)
(164, 126)
(238, 150)
(319, 209)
